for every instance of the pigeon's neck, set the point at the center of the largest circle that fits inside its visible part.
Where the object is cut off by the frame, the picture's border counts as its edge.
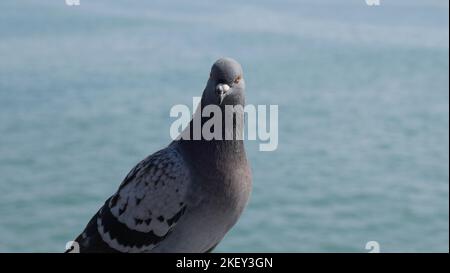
(214, 151)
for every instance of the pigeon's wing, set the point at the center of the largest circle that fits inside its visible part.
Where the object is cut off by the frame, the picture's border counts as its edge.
(144, 210)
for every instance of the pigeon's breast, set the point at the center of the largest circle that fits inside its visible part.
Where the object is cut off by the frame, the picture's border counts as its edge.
(212, 211)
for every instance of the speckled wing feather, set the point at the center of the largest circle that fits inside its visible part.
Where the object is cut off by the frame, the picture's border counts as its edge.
(144, 210)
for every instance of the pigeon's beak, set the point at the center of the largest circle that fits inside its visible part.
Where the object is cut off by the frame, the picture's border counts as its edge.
(221, 91)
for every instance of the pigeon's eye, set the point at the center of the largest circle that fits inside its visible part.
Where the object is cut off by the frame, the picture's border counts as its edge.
(238, 79)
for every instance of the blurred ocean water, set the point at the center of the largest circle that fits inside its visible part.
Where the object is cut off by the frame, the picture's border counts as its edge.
(363, 95)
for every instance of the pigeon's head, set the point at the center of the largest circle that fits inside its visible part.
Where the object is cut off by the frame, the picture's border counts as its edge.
(225, 84)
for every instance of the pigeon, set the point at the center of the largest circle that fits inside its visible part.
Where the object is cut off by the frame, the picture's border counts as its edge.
(187, 196)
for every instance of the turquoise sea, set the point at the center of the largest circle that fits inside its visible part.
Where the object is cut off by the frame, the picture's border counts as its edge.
(363, 95)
